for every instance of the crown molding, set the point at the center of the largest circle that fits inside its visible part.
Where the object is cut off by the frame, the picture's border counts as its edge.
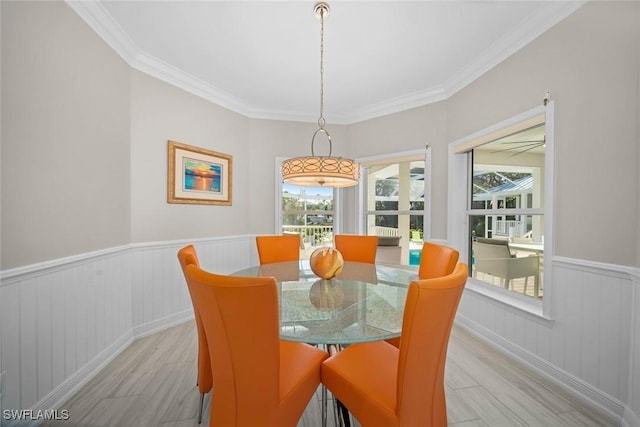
(166, 72)
(536, 25)
(94, 14)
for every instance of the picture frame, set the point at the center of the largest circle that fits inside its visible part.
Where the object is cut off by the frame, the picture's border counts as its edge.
(198, 176)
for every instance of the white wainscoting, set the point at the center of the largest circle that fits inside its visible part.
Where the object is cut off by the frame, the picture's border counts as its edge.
(587, 346)
(62, 321)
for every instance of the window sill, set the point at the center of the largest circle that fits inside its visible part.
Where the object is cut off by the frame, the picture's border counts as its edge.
(509, 300)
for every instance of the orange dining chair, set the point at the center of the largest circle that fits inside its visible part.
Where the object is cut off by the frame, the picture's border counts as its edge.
(435, 261)
(357, 248)
(386, 386)
(278, 248)
(188, 255)
(260, 380)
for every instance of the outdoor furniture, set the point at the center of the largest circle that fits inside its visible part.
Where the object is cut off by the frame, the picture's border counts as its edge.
(494, 257)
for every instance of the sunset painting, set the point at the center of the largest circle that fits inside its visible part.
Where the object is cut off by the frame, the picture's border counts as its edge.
(199, 176)
(202, 176)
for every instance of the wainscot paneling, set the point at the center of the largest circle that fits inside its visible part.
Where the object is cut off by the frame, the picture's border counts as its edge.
(587, 345)
(63, 320)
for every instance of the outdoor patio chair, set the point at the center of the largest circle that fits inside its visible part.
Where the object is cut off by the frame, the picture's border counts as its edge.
(494, 257)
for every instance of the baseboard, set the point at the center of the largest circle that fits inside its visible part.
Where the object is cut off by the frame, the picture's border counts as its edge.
(63, 392)
(66, 390)
(605, 403)
(141, 331)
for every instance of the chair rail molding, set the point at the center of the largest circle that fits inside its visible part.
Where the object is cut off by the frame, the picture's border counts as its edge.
(590, 345)
(63, 320)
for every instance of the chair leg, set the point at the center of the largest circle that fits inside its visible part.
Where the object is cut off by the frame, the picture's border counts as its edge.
(324, 406)
(200, 410)
(343, 414)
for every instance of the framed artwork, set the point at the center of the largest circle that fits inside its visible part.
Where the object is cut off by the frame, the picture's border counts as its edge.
(198, 176)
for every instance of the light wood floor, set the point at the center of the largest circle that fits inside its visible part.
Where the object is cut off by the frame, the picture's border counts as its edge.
(152, 383)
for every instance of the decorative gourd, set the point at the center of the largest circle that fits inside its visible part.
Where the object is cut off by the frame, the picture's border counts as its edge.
(326, 262)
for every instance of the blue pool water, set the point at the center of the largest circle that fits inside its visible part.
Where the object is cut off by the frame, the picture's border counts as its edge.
(414, 256)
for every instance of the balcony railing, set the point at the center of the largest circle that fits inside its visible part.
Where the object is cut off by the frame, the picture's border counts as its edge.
(322, 235)
(383, 231)
(312, 235)
(510, 228)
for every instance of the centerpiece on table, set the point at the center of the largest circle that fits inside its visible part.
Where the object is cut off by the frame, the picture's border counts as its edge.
(326, 262)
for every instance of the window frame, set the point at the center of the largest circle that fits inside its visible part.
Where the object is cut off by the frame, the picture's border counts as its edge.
(460, 164)
(337, 194)
(423, 154)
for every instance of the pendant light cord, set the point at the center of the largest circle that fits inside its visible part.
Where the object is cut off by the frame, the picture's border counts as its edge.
(321, 121)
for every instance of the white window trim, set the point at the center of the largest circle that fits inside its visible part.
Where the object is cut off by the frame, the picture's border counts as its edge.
(366, 162)
(458, 201)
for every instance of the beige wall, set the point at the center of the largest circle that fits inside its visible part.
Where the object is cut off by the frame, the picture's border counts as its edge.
(406, 131)
(161, 112)
(271, 139)
(65, 136)
(76, 100)
(589, 62)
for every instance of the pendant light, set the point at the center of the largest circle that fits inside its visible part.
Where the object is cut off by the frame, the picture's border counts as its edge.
(321, 171)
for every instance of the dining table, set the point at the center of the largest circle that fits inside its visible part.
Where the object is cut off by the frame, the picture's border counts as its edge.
(364, 303)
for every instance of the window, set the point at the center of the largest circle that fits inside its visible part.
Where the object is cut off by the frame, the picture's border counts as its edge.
(509, 195)
(394, 207)
(309, 212)
(506, 200)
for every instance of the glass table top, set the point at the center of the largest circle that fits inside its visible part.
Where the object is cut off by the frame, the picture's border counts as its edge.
(364, 303)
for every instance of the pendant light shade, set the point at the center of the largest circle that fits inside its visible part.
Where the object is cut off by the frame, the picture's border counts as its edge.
(321, 171)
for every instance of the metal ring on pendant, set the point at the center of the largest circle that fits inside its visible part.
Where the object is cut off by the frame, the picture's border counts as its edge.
(313, 140)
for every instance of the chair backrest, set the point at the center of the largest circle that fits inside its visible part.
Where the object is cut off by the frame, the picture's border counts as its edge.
(491, 248)
(240, 318)
(278, 248)
(430, 308)
(436, 260)
(357, 248)
(188, 256)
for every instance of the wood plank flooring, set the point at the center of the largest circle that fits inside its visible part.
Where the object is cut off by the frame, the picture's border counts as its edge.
(153, 383)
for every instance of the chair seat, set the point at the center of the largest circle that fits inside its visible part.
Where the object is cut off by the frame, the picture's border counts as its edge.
(364, 378)
(299, 378)
(386, 386)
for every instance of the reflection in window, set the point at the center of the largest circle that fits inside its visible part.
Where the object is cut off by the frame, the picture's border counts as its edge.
(506, 220)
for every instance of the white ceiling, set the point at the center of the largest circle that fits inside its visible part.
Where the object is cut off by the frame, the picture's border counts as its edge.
(262, 58)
